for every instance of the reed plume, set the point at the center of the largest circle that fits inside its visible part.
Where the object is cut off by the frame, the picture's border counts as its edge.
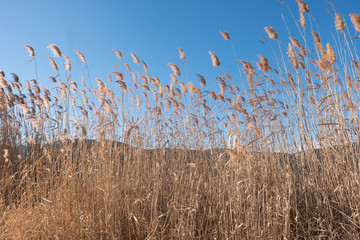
(15, 76)
(144, 66)
(174, 68)
(30, 50)
(55, 50)
(181, 53)
(53, 64)
(225, 35)
(292, 56)
(215, 59)
(67, 63)
(330, 54)
(135, 58)
(263, 65)
(118, 54)
(317, 39)
(303, 6)
(339, 23)
(202, 80)
(81, 56)
(355, 19)
(271, 32)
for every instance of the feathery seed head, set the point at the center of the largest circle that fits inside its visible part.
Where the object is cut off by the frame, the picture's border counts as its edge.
(292, 56)
(263, 65)
(324, 63)
(145, 66)
(173, 78)
(317, 39)
(339, 23)
(355, 19)
(67, 63)
(271, 32)
(303, 6)
(30, 50)
(302, 19)
(202, 80)
(330, 54)
(225, 35)
(81, 56)
(16, 77)
(181, 53)
(135, 58)
(53, 64)
(174, 68)
(118, 54)
(127, 67)
(215, 59)
(295, 42)
(119, 75)
(55, 50)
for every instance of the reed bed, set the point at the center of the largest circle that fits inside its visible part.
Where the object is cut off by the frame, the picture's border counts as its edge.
(270, 153)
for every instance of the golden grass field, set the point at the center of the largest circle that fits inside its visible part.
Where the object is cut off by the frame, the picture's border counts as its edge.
(271, 153)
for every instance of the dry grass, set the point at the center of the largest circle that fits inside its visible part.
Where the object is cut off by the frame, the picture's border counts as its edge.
(278, 159)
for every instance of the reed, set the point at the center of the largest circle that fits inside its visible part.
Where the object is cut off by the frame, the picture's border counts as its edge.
(277, 158)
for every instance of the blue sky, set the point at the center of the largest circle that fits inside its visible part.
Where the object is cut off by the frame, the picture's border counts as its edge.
(153, 30)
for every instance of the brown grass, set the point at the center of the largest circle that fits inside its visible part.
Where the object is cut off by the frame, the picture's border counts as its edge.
(277, 158)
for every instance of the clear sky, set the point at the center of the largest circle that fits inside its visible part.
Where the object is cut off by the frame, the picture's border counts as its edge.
(153, 30)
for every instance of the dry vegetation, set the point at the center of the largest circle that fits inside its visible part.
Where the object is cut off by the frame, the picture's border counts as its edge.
(271, 153)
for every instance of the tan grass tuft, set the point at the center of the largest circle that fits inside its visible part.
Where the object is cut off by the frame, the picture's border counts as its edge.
(191, 87)
(83, 82)
(317, 39)
(325, 64)
(263, 65)
(302, 19)
(175, 69)
(181, 53)
(330, 54)
(355, 19)
(173, 78)
(30, 50)
(55, 50)
(52, 79)
(339, 23)
(67, 63)
(248, 68)
(118, 54)
(119, 75)
(295, 42)
(135, 58)
(303, 6)
(356, 65)
(271, 32)
(228, 77)
(16, 77)
(183, 87)
(292, 56)
(225, 35)
(144, 65)
(215, 59)
(202, 80)
(53, 64)
(127, 67)
(81, 56)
